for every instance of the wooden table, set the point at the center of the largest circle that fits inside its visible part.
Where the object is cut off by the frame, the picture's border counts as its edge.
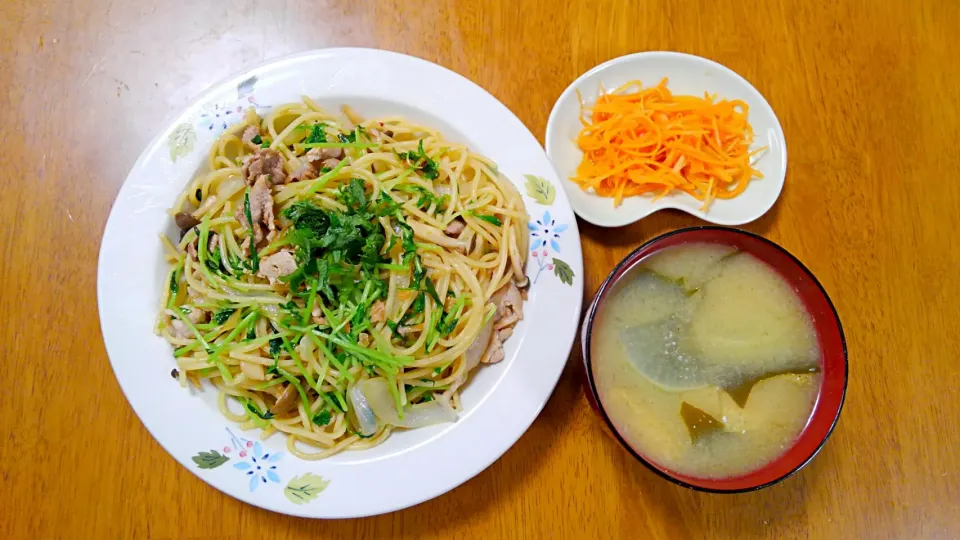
(869, 96)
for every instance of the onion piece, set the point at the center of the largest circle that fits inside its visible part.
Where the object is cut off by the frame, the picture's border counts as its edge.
(377, 392)
(360, 407)
(225, 190)
(432, 234)
(228, 187)
(479, 346)
(402, 279)
(252, 370)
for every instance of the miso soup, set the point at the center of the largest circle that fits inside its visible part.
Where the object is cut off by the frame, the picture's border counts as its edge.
(705, 360)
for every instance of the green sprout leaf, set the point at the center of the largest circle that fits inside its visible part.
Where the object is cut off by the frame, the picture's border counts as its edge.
(317, 134)
(252, 407)
(493, 220)
(222, 315)
(322, 418)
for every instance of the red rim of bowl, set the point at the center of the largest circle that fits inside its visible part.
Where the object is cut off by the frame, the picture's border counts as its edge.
(833, 361)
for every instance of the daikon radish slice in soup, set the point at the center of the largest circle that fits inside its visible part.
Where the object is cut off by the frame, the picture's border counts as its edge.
(706, 361)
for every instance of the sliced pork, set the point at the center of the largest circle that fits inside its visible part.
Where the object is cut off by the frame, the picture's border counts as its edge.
(455, 227)
(281, 263)
(249, 134)
(263, 162)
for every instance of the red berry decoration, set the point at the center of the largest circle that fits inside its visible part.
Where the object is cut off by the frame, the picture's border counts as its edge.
(226, 449)
(243, 453)
(249, 444)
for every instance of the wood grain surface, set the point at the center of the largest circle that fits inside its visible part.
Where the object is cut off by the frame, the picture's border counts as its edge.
(867, 91)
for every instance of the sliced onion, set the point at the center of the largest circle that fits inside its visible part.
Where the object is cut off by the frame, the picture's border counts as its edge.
(378, 395)
(432, 234)
(402, 279)
(360, 407)
(225, 190)
(271, 309)
(433, 412)
(252, 370)
(479, 346)
(228, 187)
(206, 205)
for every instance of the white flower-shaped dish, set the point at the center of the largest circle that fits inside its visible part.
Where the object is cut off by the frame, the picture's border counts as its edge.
(689, 75)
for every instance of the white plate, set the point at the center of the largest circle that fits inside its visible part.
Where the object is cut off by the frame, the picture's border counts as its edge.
(500, 401)
(690, 75)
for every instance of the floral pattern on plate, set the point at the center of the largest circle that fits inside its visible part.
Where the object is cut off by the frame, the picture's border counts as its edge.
(544, 239)
(261, 468)
(545, 232)
(214, 118)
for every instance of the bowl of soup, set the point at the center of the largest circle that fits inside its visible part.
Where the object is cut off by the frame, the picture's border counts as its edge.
(715, 358)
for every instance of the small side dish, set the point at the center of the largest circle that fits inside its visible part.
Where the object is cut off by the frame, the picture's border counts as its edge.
(697, 142)
(638, 141)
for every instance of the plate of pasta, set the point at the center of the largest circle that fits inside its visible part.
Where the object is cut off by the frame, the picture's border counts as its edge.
(340, 283)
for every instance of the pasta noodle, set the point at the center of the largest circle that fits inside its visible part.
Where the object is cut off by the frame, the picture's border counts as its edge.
(338, 278)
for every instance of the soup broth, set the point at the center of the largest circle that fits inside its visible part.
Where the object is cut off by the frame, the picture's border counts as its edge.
(705, 360)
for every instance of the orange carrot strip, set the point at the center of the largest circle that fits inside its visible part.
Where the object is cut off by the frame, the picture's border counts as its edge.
(647, 141)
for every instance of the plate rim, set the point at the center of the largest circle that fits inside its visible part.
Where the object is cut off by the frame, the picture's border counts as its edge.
(169, 123)
(620, 219)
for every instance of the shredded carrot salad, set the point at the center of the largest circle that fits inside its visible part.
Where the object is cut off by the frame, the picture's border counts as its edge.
(649, 141)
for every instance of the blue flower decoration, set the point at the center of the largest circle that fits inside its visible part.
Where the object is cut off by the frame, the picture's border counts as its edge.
(545, 231)
(219, 117)
(260, 468)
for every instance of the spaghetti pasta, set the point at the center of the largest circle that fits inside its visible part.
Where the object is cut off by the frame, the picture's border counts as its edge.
(340, 277)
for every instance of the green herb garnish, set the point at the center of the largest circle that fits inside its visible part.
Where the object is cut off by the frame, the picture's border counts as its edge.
(222, 315)
(276, 344)
(254, 259)
(252, 407)
(174, 283)
(426, 198)
(317, 134)
(214, 261)
(236, 264)
(493, 220)
(432, 291)
(274, 368)
(336, 145)
(352, 136)
(322, 418)
(420, 161)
